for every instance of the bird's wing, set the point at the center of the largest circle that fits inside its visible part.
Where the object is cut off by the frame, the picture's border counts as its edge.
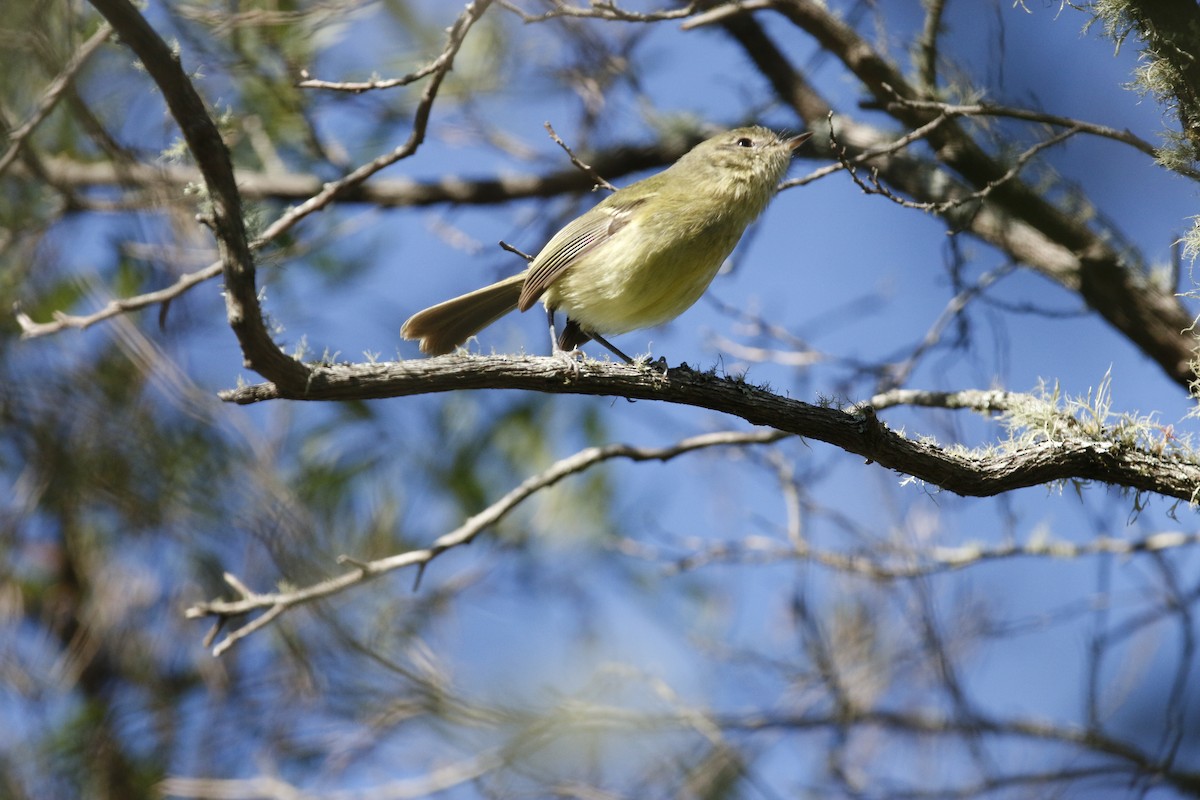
(568, 245)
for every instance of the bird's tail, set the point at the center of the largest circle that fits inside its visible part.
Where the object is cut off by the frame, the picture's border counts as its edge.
(443, 327)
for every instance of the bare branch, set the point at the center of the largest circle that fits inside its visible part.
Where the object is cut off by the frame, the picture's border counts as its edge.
(301, 188)
(264, 787)
(275, 604)
(946, 206)
(986, 400)
(724, 11)
(599, 9)
(439, 66)
(63, 321)
(847, 163)
(294, 187)
(515, 250)
(358, 87)
(203, 138)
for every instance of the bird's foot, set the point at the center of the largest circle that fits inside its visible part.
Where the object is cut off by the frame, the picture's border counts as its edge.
(573, 358)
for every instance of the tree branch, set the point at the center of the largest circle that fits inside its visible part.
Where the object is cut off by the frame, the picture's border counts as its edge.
(927, 46)
(1029, 115)
(275, 604)
(1017, 219)
(204, 140)
(587, 169)
(334, 190)
(599, 9)
(296, 187)
(245, 316)
(861, 433)
(123, 305)
(266, 787)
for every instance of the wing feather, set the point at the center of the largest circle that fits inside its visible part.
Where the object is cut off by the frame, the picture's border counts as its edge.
(577, 239)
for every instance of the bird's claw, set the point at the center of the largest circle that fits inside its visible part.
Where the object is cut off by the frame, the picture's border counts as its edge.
(573, 358)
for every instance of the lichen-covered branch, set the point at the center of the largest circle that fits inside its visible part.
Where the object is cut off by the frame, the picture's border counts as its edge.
(212, 157)
(859, 432)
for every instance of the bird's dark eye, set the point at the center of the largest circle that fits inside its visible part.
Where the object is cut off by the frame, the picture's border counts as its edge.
(745, 141)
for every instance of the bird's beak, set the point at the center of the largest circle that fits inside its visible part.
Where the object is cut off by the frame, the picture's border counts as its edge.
(796, 141)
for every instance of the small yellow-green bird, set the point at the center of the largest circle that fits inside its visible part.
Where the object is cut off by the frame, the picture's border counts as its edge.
(639, 258)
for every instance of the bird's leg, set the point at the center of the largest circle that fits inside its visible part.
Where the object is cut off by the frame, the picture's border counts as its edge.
(573, 336)
(557, 350)
(554, 348)
(610, 347)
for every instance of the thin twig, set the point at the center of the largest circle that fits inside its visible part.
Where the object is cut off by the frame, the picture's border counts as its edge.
(358, 87)
(586, 168)
(1029, 115)
(944, 207)
(512, 248)
(843, 162)
(897, 374)
(439, 64)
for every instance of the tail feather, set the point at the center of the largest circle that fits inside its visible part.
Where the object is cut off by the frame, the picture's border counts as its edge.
(443, 327)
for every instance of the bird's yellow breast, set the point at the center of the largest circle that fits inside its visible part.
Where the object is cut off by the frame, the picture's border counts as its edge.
(653, 269)
(638, 284)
